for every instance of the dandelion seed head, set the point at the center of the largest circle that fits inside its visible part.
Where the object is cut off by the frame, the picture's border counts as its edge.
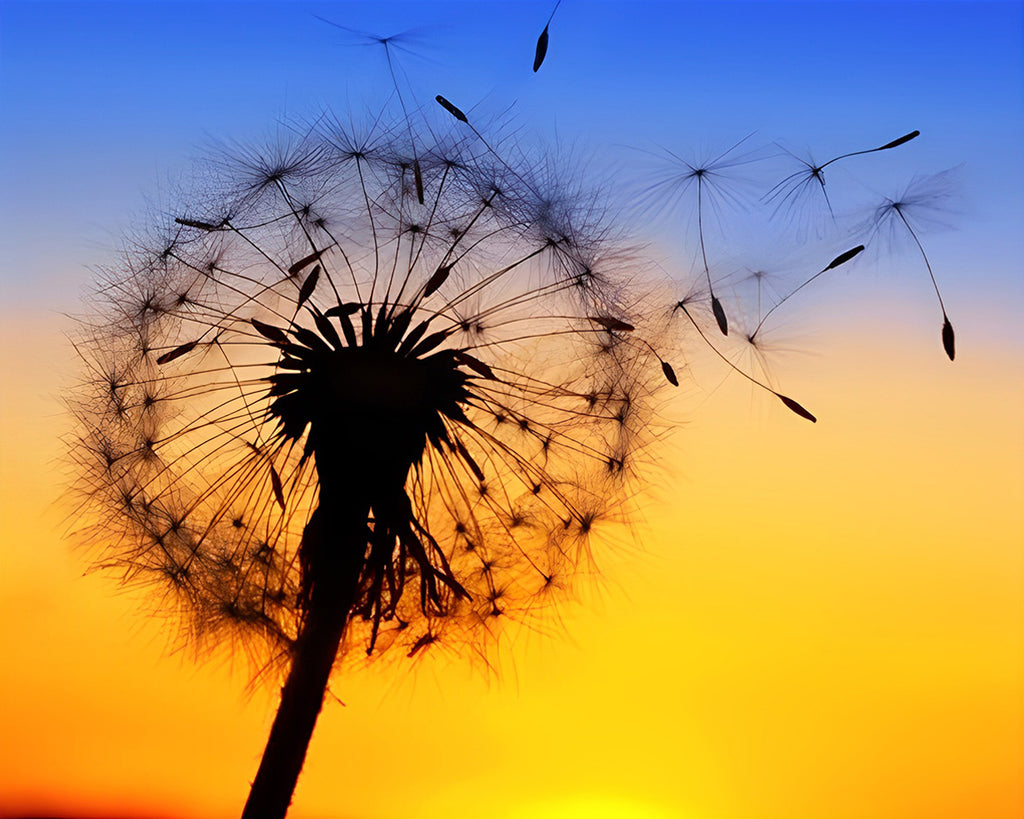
(466, 377)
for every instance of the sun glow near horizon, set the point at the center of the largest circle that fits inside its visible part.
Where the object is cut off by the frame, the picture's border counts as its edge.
(597, 806)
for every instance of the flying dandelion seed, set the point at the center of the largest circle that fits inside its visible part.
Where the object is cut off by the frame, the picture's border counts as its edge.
(811, 177)
(324, 420)
(921, 204)
(790, 404)
(707, 180)
(702, 183)
(838, 261)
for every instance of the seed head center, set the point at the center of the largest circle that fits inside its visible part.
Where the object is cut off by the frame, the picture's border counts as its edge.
(381, 381)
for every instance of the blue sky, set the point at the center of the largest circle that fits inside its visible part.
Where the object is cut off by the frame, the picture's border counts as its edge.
(105, 104)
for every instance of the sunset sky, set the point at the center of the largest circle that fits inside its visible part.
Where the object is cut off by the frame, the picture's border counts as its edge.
(813, 622)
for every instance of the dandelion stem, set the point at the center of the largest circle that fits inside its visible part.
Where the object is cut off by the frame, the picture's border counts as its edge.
(417, 174)
(330, 597)
(948, 336)
(923, 256)
(700, 226)
(716, 305)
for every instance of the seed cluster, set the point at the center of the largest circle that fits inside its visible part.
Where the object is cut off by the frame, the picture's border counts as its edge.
(405, 322)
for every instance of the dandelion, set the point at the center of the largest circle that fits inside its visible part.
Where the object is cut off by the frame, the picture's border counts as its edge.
(323, 420)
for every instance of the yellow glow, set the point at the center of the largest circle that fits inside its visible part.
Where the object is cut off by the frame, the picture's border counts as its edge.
(591, 807)
(824, 623)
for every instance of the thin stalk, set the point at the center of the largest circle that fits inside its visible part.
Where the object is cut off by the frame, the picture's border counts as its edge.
(330, 597)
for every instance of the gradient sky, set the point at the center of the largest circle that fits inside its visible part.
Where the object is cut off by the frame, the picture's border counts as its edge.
(820, 622)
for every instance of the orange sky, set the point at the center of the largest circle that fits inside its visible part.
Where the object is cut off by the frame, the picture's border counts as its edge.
(825, 621)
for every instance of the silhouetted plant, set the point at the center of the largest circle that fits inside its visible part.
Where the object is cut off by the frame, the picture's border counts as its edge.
(327, 419)
(373, 392)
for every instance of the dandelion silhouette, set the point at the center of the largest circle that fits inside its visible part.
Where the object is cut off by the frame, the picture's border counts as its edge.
(920, 202)
(374, 392)
(705, 178)
(812, 176)
(324, 420)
